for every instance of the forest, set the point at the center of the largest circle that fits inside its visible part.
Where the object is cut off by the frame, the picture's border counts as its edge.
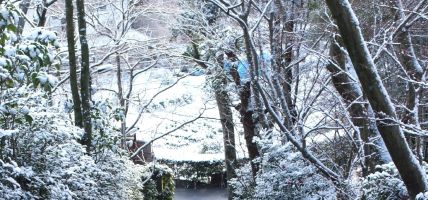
(214, 99)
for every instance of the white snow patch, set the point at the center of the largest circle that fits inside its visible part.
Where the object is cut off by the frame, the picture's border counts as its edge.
(7, 133)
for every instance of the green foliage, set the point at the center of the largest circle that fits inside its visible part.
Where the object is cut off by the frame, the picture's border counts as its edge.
(25, 61)
(105, 137)
(118, 114)
(313, 5)
(150, 192)
(195, 170)
(159, 183)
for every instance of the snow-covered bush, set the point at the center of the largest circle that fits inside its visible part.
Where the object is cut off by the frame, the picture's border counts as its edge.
(40, 153)
(286, 175)
(283, 174)
(14, 181)
(41, 157)
(59, 168)
(385, 183)
(422, 196)
(243, 184)
(25, 60)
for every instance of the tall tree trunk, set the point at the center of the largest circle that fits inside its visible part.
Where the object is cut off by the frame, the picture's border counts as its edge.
(280, 36)
(249, 125)
(286, 69)
(121, 100)
(409, 169)
(414, 72)
(78, 120)
(359, 112)
(85, 76)
(254, 70)
(246, 110)
(226, 118)
(413, 68)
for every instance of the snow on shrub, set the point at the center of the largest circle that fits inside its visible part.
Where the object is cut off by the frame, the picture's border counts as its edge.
(286, 175)
(14, 181)
(40, 153)
(243, 184)
(422, 196)
(57, 166)
(385, 183)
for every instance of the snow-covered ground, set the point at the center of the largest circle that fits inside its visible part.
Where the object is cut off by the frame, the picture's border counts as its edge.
(201, 140)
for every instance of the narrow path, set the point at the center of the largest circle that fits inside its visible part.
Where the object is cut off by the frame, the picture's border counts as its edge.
(200, 194)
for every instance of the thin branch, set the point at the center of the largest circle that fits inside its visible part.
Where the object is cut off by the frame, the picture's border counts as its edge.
(165, 134)
(150, 101)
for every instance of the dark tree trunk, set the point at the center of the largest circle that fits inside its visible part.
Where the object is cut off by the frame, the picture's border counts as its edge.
(249, 125)
(246, 113)
(85, 82)
(359, 112)
(286, 69)
(78, 120)
(414, 72)
(21, 22)
(409, 169)
(41, 12)
(413, 68)
(121, 100)
(245, 89)
(246, 110)
(254, 70)
(281, 42)
(226, 118)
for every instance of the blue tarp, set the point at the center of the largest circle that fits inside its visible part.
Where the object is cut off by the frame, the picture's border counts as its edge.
(244, 69)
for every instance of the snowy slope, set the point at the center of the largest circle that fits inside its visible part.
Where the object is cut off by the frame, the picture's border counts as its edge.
(201, 140)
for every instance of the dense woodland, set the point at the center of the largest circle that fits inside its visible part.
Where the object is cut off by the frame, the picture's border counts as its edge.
(271, 99)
